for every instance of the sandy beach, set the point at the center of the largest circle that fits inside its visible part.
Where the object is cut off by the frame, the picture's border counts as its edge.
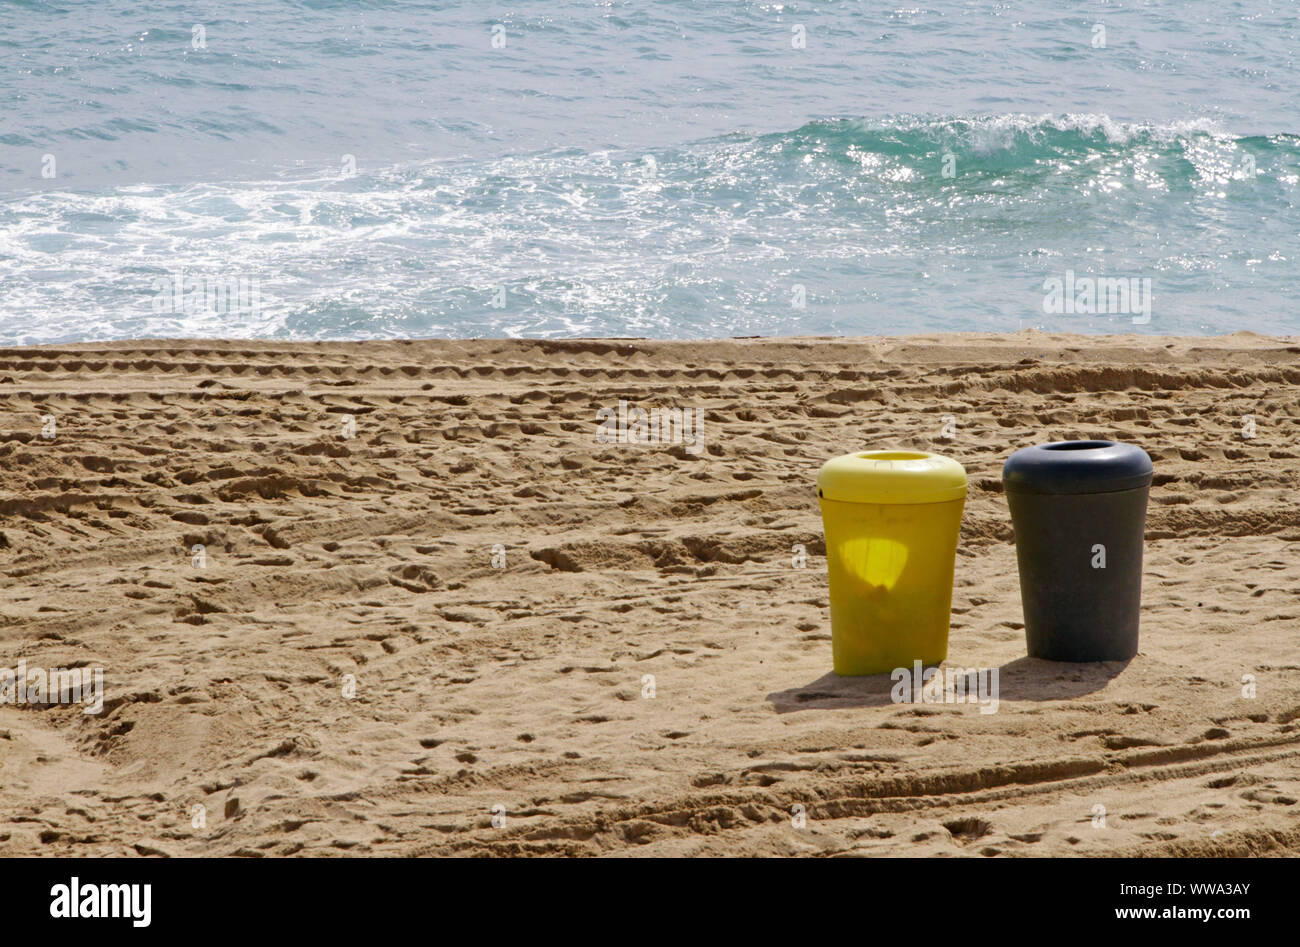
(432, 614)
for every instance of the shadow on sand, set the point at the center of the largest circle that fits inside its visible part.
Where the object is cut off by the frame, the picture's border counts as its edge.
(1021, 679)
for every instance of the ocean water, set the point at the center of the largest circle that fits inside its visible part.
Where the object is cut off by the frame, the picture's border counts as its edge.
(348, 169)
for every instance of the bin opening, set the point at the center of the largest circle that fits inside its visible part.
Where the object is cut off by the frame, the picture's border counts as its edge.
(891, 477)
(892, 455)
(1079, 445)
(1075, 467)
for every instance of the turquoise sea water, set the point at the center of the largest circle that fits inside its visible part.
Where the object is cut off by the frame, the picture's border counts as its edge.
(378, 169)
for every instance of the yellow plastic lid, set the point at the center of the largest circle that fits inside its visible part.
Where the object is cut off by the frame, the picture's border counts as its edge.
(891, 476)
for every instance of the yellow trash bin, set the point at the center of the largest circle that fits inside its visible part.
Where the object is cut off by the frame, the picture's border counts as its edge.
(891, 520)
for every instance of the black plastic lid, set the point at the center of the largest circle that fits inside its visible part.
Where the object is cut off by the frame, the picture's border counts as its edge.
(1077, 467)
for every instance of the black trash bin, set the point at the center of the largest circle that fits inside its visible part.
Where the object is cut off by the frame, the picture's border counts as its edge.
(1079, 513)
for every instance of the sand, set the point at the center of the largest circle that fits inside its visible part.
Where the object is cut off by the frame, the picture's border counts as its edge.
(503, 708)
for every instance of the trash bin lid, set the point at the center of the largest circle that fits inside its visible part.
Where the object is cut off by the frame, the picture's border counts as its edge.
(891, 476)
(1077, 467)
